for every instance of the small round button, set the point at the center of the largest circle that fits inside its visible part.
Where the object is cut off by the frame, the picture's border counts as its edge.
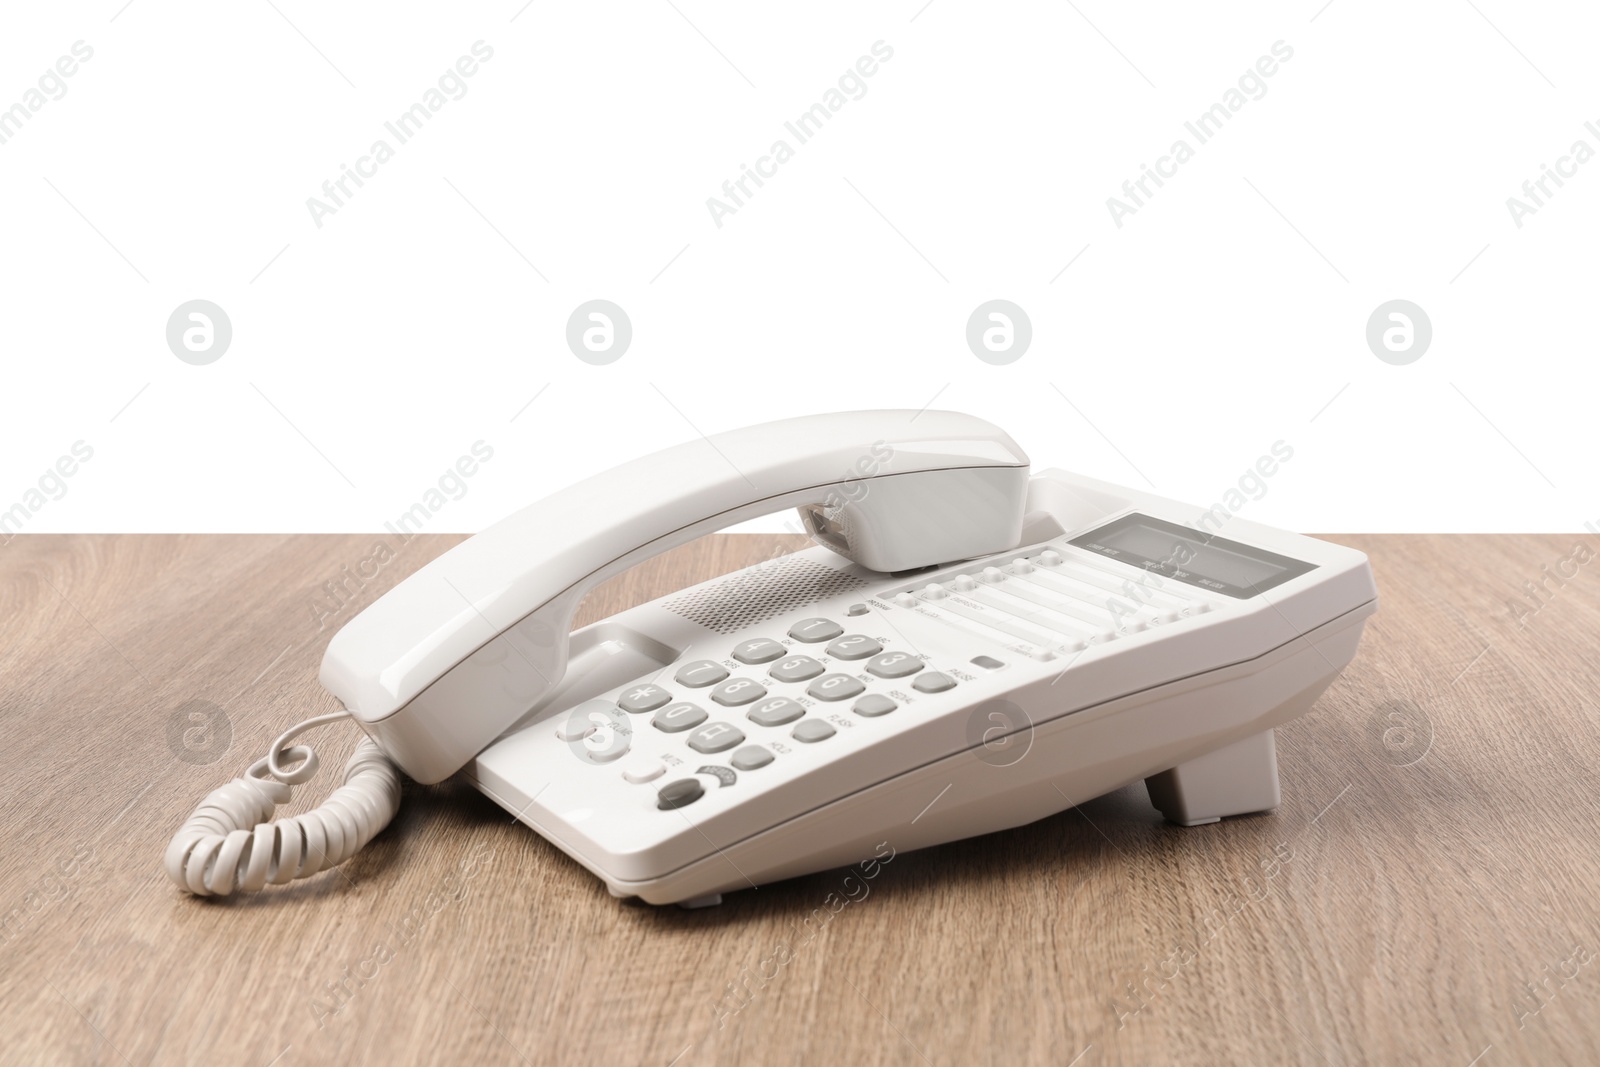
(1050, 558)
(680, 793)
(993, 575)
(934, 591)
(1021, 566)
(963, 583)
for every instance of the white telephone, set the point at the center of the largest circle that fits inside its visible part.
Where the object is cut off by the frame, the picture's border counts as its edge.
(968, 649)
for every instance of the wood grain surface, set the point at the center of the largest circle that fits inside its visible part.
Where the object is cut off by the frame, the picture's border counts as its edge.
(1426, 894)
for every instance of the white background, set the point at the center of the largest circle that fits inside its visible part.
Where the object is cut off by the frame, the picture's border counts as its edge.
(1227, 314)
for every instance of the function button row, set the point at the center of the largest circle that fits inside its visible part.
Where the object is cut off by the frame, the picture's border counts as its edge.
(751, 757)
(873, 704)
(813, 730)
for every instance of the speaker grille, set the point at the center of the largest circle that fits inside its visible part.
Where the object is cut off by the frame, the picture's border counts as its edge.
(759, 593)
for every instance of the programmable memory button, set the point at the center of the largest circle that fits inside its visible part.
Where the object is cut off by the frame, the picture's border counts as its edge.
(874, 704)
(814, 630)
(701, 673)
(750, 757)
(812, 730)
(738, 692)
(677, 794)
(715, 737)
(934, 682)
(675, 718)
(797, 669)
(643, 698)
(775, 712)
(854, 646)
(760, 650)
(894, 665)
(836, 687)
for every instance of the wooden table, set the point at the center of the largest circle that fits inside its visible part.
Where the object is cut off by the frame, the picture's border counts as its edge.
(1427, 893)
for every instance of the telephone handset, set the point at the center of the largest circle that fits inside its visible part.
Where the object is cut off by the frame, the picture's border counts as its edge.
(790, 717)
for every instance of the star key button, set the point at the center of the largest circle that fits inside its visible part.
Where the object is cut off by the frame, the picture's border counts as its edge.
(641, 698)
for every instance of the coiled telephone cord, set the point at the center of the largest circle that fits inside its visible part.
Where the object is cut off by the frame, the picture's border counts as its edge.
(229, 845)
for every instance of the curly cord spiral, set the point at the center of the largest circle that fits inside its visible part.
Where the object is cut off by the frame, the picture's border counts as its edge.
(228, 844)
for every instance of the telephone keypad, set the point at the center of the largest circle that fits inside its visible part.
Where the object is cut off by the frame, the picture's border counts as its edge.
(675, 718)
(836, 687)
(642, 698)
(797, 669)
(738, 692)
(854, 646)
(761, 650)
(894, 665)
(701, 673)
(813, 730)
(813, 631)
(715, 737)
(775, 712)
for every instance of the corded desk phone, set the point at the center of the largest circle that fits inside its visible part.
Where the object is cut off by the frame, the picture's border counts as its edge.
(968, 648)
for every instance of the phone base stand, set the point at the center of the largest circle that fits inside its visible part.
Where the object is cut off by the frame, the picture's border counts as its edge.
(1234, 780)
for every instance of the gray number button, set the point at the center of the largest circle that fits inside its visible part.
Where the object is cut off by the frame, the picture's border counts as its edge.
(814, 630)
(797, 669)
(676, 718)
(835, 687)
(738, 692)
(701, 673)
(715, 737)
(761, 650)
(775, 712)
(854, 646)
(894, 665)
